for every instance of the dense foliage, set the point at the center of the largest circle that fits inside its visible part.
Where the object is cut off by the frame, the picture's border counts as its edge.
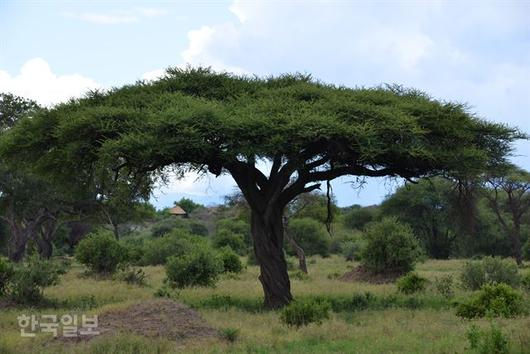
(101, 252)
(492, 300)
(201, 266)
(390, 247)
(489, 270)
(304, 312)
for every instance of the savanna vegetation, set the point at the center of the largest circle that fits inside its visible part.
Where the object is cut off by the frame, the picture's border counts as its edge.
(441, 265)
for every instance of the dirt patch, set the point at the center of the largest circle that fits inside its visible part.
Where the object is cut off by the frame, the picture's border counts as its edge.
(155, 318)
(361, 274)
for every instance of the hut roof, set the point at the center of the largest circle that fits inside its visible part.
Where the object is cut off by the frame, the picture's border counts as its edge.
(177, 210)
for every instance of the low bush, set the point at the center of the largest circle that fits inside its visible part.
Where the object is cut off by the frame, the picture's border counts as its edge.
(310, 235)
(411, 283)
(229, 334)
(488, 342)
(30, 278)
(444, 285)
(390, 247)
(298, 275)
(490, 270)
(177, 243)
(224, 238)
(303, 312)
(101, 252)
(350, 250)
(163, 227)
(6, 274)
(492, 300)
(231, 261)
(525, 281)
(199, 267)
(132, 275)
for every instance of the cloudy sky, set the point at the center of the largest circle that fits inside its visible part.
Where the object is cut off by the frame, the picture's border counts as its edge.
(476, 52)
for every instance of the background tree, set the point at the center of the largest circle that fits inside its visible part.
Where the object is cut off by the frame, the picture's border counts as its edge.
(308, 131)
(508, 194)
(427, 208)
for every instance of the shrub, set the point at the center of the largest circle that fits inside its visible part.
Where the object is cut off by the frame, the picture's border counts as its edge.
(299, 275)
(163, 227)
(132, 276)
(101, 252)
(302, 313)
(350, 250)
(199, 267)
(226, 237)
(525, 281)
(488, 342)
(229, 334)
(444, 285)
(6, 274)
(411, 283)
(231, 261)
(490, 270)
(310, 235)
(359, 217)
(493, 300)
(30, 278)
(156, 251)
(390, 247)
(197, 228)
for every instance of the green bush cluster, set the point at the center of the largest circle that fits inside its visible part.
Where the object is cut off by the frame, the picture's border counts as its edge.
(490, 270)
(231, 261)
(488, 342)
(492, 300)
(6, 274)
(101, 252)
(303, 312)
(444, 285)
(310, 235)
(411, 283)
(390, 247)
(201, 266)
(525, 281)
(157, 251)
(227, 238)
(28, 280)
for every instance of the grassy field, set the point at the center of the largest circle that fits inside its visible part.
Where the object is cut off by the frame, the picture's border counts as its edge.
(423, 323)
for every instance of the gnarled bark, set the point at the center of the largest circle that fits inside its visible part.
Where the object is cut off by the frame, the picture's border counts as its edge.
(267, 233)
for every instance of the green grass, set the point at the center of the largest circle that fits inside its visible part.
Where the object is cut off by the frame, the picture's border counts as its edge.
(383, 321)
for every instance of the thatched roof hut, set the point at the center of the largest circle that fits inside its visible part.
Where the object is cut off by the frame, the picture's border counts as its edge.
(178, 211)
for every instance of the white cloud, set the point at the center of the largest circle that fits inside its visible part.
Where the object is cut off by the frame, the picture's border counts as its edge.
(153, 74)
(37, 81)
(197, 185)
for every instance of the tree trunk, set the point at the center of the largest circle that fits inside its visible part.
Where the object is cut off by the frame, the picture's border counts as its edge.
(302, 265)
(267, 233)
(516, 244)
(17, 244)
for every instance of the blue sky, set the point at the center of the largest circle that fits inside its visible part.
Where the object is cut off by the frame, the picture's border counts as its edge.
(469, 51)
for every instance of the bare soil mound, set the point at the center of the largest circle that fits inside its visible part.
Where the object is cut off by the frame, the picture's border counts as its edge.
(155, 318)
(361, 274)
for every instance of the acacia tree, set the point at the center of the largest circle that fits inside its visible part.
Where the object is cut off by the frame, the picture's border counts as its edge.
(508, 195)
(305, 131)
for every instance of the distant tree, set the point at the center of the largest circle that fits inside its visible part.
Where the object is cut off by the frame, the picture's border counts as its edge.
(188, 205)
(308, 131)
(508, 195)
(428, 209)
(356, 217)
(12, 108)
